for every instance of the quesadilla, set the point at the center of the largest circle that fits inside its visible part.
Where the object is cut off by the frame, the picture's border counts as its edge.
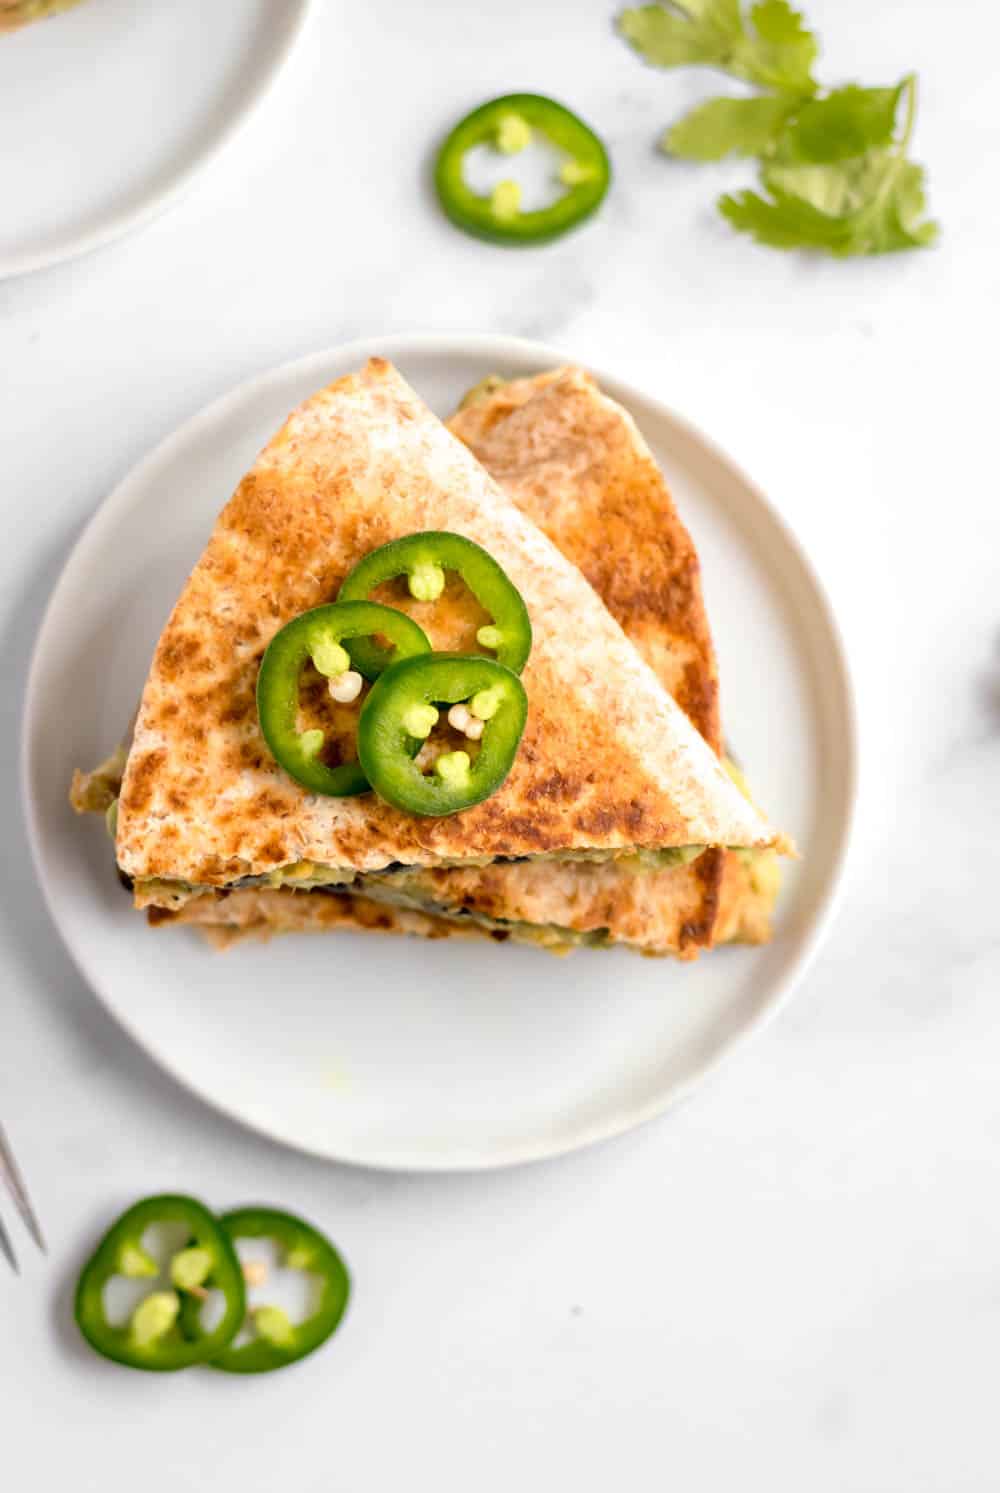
(573, 461)
(609, 767)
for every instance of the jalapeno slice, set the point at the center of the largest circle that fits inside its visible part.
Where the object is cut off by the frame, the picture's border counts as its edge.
(318, 635)
(153, 1337)
(404, 704)
(508, 124)
(423, 559)
(277, 1341)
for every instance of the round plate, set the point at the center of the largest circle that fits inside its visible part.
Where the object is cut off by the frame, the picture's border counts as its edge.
(109, 110)
(387, 1051)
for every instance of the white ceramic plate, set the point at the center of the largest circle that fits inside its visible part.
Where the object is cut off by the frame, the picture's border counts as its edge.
(392, 1052)
(108, 111)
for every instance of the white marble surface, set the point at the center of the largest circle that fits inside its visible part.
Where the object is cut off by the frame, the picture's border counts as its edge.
(794, 1281)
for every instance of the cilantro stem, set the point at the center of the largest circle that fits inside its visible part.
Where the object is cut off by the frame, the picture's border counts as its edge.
(909, 83)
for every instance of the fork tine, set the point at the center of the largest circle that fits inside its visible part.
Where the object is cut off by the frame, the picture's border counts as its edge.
(10, 1173)
(7, 1249)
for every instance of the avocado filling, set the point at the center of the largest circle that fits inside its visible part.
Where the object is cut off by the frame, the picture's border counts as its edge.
(308, 876)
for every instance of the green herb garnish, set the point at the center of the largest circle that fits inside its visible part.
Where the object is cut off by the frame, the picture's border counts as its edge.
(834, 171)
(773, 50)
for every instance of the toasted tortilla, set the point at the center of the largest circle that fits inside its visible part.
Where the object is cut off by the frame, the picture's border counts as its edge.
(574, 462)
(259, 912)
(747, 895)
(17, 13)
(608, 762)
(746, 901)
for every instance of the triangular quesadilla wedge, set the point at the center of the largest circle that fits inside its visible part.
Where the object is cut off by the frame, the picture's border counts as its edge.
(574, 463)
(608, 764)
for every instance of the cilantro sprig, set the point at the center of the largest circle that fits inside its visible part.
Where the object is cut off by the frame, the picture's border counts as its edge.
(833, 165)
(772, 48)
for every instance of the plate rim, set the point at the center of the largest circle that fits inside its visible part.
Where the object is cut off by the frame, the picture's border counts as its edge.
(399, 346)
(69, 246)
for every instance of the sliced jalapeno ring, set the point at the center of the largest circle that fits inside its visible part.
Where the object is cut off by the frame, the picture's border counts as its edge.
(277, 1341)
(508, 123)
(393, 710)
(423, 559)
(319, 635)
(153, 1337)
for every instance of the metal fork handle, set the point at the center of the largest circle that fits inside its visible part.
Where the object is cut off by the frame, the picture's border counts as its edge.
(7, 1248)
(10, 1174)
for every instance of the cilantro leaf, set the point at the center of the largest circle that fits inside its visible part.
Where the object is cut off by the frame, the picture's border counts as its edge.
(785, 48)
(836, 190)
(684, 32)
(729, 126)
(773, 48)
(871, 205)
(846, 123)
(906, 227)
(781, 221)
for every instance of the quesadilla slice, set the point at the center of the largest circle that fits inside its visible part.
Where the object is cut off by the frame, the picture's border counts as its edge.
(574, 462)
(608, 766)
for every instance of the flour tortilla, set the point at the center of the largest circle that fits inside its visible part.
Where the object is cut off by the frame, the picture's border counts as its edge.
(573, 462)
(608, 761)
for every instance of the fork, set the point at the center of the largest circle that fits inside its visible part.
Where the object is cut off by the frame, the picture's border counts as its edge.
(10, 1176)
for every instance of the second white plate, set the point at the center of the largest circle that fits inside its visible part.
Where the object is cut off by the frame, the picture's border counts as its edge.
(390, 1052)
(107, 112)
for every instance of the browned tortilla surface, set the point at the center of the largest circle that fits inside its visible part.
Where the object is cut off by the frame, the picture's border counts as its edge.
(17, 13)
(574, 463)
(258, 912)
(607, 761)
